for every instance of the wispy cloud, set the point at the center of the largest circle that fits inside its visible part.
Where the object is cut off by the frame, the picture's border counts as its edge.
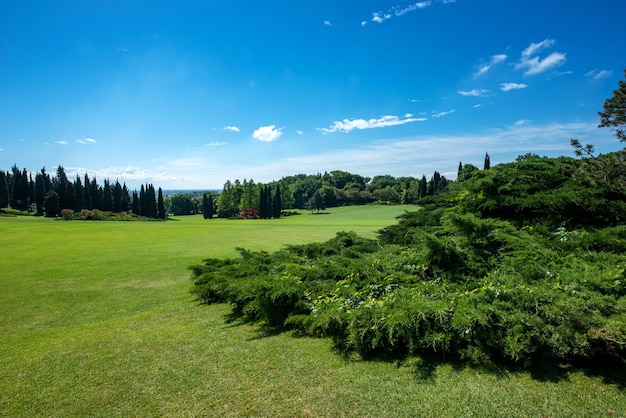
(380, 17)
(348, 125)
(473, 93)
(231, 128)
(62, 142)
(216, 144)
(512, 86)
(267, 133)
(442, 114)
(495, 59)
(328, 23)
(596, 74)
(123, 174)
(533, 64)
(86, 141)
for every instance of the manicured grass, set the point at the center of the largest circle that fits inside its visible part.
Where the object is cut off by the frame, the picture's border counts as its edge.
(96, 319)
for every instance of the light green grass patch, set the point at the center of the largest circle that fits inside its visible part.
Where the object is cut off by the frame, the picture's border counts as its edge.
(96, 319)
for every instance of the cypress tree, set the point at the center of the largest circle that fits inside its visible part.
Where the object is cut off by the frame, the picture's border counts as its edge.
(79, 195)
(205, 206)
(107, 197)
(125, 198)
(161, 205)
(135, 207)
(40, 192)
(61, 187)
(143, 211)
(4, 191)
(69, 196)
(487, 164)
(423, 187)
(211, 206)
(87, 193)
(277, 202)
(459, 173)
(262, 200)
(117, 197)
(268, 202)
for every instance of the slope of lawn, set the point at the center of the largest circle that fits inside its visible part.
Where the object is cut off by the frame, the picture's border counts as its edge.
(97, 319)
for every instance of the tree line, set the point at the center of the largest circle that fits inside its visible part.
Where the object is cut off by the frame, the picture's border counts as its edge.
(57, 195)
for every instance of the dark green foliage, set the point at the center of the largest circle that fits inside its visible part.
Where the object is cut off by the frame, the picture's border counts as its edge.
(161, 206)
(4, 191)
(51, 204)
(521, 262)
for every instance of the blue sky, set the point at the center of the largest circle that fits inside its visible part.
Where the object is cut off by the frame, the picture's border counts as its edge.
(188, 94)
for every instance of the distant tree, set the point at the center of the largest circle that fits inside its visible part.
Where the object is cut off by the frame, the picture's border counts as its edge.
(277, 204)
(4, 191)
(142, 201)
(87, 193)
(262, 200)
(135, 205)
(79, 195)
(61, 187)
(69, 195)
(117, 197)
(614, 113)
(151, 202)
(487, 164)
(423, 187)
(315, 202)
(107, 197)
(161, 206)
(40, 193)
(268, 202)
(210, 206)
(51, 204)
(126, 206)
(205, 206)
(459, 172)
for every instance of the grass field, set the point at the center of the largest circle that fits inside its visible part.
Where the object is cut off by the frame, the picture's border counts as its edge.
(96, 319)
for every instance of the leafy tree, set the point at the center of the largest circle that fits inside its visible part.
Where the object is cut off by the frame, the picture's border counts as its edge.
(614, 113)
(4, 191)
(316, 202)
(181, 204)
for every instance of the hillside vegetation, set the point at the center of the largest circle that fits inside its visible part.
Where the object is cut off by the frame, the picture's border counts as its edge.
(520, 262)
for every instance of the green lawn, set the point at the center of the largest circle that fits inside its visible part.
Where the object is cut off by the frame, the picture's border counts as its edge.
(96, 319)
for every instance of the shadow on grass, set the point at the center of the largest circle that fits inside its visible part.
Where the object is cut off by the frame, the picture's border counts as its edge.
(611, 370)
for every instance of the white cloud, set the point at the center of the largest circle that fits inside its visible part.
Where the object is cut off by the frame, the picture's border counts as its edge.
(413, 7)
(476, 106)
(442, 114)
(599, 74)
(1, 149)
(299, 132)
(512, 86)
(231, 128)
(267, 133)
(216, 144)
(380, 17)
(521, 122)
(536, 65)
(363, 23)
(124, 174)
(62, 142)
(348, 125)
(473, 93)
(495, 59)
(328, 23)
(86, 141)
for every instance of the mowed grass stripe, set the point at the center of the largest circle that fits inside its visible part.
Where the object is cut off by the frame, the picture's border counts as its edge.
(97, 320)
